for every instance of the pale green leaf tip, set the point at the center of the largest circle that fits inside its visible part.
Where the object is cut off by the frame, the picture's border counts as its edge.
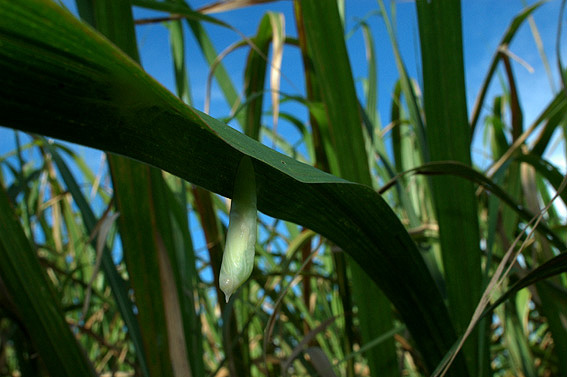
(227, 286)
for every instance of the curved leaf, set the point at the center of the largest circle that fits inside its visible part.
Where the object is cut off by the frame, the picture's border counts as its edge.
(555, 266)
(460, 170)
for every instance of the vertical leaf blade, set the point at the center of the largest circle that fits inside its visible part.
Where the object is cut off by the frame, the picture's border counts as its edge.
(325, 38)
(136, 188)
(447, 125)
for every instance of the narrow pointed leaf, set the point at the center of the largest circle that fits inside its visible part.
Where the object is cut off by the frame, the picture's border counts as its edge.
(555, 266)
(466, 172)
(455, 204)
(137, 192)
(506, 39)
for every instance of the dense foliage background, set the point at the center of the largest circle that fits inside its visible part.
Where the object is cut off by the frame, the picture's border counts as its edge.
(383, 248)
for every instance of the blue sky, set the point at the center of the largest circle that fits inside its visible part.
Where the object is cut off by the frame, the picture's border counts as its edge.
(484, 23)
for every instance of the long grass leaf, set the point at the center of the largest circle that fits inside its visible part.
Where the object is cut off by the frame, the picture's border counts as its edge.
(555, 266)
(115, 281)
(509, 34)
(224, 6)
(326, 42)
(454, 200)
(32, 293)
(255, 76)
(407, 87)
(194, 20)
(466, 172)
(137, 189)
